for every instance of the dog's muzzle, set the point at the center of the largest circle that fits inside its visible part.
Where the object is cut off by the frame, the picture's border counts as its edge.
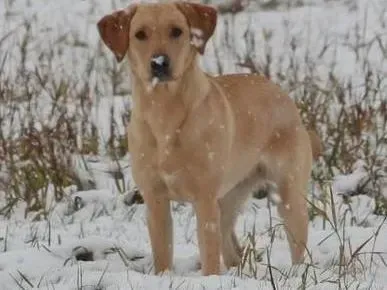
(160, 67)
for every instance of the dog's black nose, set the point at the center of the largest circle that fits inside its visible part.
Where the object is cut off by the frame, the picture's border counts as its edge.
(160, 67)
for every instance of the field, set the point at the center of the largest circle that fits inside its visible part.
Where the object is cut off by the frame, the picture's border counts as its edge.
(70, 213)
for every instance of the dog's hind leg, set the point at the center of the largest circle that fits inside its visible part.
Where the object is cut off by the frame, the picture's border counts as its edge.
(230, 206)
(293, 210)
(292, 186)
(229, 209)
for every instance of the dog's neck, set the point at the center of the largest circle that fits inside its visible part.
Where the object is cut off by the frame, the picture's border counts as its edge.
(165, 106)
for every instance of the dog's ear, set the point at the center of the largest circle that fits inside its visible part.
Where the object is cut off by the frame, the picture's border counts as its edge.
(202, 21)
(114, 31)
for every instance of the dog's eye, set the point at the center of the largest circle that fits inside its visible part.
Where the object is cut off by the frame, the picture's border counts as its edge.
(176, 32)
(141, 35)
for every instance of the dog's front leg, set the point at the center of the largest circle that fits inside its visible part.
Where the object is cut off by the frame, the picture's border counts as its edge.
(160, 232)
(208, 225)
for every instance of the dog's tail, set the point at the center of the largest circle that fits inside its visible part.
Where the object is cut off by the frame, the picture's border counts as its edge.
(315, 141)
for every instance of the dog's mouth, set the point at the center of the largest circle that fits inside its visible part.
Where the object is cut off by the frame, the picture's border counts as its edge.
(155, 81)
(162, 79)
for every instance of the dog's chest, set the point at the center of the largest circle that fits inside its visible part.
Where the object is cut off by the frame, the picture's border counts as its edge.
(184, 167)
(185, 161)
(173, 168)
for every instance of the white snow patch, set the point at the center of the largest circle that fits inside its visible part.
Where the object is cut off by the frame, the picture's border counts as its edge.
(275, 197)
(153, 84)
(160, 60)
(197, 37)
(347, 184)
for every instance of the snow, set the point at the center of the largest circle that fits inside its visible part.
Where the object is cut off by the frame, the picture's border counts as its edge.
(160, 60)
(99, 226)
(153, 84)
(197, 42)
(276, 198)
(349, 183)
(197, 37)
(116, 237)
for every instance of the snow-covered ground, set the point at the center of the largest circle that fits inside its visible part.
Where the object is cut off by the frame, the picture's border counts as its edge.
(114, 237)
(347, 242)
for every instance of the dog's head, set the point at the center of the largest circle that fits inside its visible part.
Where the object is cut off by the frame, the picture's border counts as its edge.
(161, 40)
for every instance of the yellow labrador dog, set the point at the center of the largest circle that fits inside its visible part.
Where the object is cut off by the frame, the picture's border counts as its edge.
(207, 140)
